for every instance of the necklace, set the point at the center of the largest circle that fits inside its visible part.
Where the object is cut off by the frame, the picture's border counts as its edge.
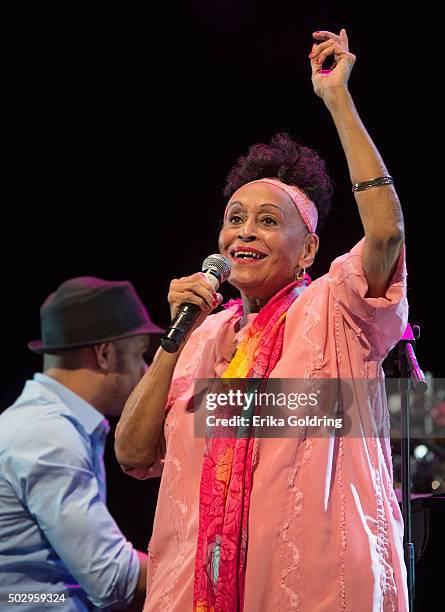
(236, 341)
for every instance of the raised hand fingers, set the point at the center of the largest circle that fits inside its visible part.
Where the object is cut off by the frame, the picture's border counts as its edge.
(323, 51)
(325, 35)
(321, 46)
(337, 75)
(344, 39)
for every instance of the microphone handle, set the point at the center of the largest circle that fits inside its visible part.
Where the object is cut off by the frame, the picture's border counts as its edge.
(184, 321)
(180, 326)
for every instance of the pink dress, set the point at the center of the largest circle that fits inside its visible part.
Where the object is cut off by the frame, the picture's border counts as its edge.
(325, 529)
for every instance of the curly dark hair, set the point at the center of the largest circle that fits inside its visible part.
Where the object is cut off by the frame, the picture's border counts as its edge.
(290, 162)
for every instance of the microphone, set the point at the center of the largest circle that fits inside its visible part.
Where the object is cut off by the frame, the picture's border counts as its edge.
(217, 270)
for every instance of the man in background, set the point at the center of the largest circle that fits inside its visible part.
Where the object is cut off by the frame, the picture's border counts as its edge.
(59, 545)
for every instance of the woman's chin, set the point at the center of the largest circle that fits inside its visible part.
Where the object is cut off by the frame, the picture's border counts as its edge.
(244, 283)
(260, 288)
(250, 288)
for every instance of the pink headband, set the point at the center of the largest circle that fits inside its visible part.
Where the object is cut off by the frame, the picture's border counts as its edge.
(305, 206)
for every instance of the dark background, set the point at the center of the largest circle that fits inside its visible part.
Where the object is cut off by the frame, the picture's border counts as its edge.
(121, 120)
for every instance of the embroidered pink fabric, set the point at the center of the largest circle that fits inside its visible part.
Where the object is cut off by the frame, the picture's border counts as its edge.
(325, 528)
(226, 482)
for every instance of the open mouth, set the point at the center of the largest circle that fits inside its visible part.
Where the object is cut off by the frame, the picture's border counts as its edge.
(247, 255)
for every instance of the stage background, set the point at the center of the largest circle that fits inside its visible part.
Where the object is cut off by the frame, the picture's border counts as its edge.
(121, 120)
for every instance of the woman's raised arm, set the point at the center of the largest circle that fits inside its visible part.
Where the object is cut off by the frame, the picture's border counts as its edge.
(378, 206)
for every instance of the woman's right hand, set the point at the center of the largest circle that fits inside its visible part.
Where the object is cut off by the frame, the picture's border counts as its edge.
(194, 289)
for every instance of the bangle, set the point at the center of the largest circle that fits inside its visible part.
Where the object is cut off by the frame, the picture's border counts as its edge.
(377, 182)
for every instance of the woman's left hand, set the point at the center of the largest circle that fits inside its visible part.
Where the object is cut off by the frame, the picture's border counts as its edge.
(327, 81)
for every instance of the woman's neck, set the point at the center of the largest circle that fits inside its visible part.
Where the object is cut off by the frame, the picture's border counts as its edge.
(251, 305)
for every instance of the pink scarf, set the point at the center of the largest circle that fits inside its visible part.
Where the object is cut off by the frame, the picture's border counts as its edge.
(226, 479)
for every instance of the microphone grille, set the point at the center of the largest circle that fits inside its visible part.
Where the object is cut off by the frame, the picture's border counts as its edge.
(217, 264)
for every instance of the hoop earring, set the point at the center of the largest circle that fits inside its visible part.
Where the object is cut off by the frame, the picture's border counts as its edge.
(300, 275)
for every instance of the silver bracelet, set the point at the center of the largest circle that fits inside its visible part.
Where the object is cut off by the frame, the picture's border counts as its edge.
(381, 180)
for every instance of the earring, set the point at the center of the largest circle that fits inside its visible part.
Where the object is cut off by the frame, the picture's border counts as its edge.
(300, 275)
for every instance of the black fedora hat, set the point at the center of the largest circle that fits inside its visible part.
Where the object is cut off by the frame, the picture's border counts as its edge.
(86, 310)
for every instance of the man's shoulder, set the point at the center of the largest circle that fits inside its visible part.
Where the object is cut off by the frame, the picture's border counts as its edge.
(37, 425)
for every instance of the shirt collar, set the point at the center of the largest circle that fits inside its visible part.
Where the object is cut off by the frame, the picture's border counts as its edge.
(88, 416)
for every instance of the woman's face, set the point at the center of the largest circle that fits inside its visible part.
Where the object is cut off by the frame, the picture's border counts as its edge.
(265, 240)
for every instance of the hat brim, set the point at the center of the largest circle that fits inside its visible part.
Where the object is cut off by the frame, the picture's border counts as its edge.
(37, 346)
